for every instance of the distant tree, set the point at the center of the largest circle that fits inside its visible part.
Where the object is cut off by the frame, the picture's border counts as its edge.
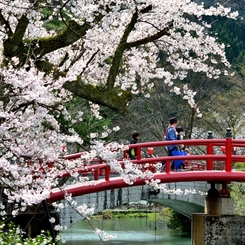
(237, 191)
(150, 116)
(227, 112)
(180, 222)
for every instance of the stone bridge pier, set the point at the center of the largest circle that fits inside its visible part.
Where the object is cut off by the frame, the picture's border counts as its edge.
(218, 225)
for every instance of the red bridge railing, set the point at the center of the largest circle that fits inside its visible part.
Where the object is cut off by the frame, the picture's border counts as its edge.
(213, 151)
(211, 148)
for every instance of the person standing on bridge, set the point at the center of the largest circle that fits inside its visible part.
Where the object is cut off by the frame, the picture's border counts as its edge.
(180, 164)
(180, 131)
(132, 152)
(171, 134)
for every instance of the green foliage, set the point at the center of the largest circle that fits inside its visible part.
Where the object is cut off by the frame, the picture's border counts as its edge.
(159, 215)
(179, 221)
(239, 166)
(54, 24)
(107, 214)
(89, 123)
(237, 191)
(231, 33)
(12, 235)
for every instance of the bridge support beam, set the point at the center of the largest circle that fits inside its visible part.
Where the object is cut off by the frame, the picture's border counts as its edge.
(219, 206)
(218, 225)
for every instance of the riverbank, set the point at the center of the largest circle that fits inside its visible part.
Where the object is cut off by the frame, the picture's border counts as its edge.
(160, 213)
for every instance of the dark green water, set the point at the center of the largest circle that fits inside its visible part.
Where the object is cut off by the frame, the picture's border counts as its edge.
(128, 231)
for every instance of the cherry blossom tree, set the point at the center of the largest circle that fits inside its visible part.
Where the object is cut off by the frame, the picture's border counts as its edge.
(103, 51)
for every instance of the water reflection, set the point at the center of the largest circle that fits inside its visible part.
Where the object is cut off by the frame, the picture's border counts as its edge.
(127, 231)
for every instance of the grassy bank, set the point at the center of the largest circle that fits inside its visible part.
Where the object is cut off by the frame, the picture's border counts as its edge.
(160, 214)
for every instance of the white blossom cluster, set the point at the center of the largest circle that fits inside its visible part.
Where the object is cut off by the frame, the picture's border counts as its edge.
(104, 38)
(31, 142)
(166, 190)
(83, 209)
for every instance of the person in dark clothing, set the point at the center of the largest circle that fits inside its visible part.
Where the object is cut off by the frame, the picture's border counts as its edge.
(179, 136)
(172, 134)
(179, 131)
(179, 164)
(132, 152)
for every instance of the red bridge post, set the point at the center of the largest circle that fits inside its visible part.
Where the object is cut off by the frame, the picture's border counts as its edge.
(210, 151)
(168, 166)
(228, 146)
(138, 153)
(107, 173)
(125, 154)
(96, 174)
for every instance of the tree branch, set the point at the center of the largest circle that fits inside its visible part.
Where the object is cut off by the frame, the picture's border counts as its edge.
(123, 45)
(119, 52)
(66, 37)
(114, 98)
(164, 32)
(13, 45)
(5, 23)
(69, 35)
(106, 97)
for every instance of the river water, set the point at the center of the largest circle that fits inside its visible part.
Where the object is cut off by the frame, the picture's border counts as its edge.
(128, 231)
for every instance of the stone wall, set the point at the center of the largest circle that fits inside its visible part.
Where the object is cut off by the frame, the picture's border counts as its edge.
(218, 229)
(224, 229)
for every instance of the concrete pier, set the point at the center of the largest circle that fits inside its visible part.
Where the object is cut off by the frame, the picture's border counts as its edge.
(218, 225)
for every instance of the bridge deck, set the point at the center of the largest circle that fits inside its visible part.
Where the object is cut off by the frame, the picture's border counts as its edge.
(205, 171)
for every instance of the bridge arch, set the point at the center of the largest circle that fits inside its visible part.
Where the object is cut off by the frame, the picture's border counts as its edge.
(183, 207)
(110, 199)
(204, 169)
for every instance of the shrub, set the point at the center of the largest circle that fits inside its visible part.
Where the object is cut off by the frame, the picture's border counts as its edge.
(11, 234)
(179, 221)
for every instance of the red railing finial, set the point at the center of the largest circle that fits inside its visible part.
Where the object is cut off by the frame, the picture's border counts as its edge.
(210, 151)
(228, 146)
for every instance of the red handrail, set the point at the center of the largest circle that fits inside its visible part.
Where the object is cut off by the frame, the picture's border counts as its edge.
(201, 172)
(209, 157)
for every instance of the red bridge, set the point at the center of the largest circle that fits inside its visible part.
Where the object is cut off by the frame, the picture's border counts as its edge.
(214, 165)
